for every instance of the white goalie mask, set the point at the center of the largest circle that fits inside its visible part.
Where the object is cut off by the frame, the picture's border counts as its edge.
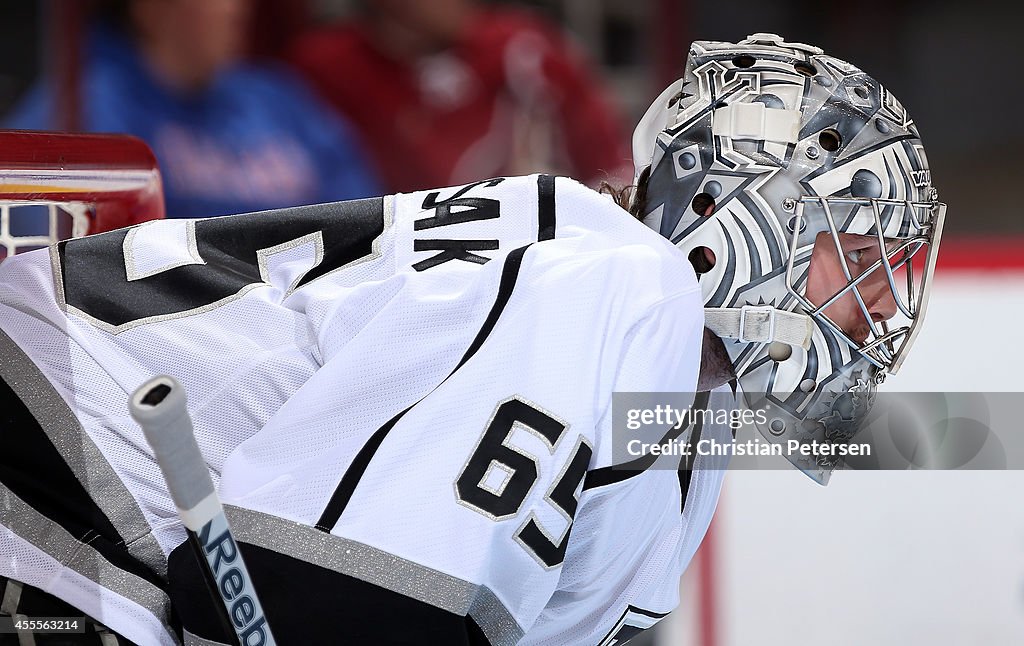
(765, 154)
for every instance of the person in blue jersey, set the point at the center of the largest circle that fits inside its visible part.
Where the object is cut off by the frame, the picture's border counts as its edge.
(230, 137)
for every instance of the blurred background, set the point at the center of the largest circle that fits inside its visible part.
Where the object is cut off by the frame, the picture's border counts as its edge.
(266, 103)
(947, 60)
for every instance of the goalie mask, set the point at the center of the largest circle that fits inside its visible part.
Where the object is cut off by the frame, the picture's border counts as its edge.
(799, 187)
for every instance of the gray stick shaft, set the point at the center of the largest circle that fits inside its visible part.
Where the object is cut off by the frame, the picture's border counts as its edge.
(159, 408)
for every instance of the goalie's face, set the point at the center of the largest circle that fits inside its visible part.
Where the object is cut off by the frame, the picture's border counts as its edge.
(861, 306)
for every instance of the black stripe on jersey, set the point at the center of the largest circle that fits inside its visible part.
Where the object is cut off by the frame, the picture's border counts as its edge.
(686, 465)
(647, 613)
(34, 471)
(346, 488)
(623, 631)
(617, 473)
(377, 567)
(509, 276)
(309, 604)
(545, 207)
(610, 475)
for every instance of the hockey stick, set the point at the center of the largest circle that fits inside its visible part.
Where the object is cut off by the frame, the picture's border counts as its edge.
(159, 408)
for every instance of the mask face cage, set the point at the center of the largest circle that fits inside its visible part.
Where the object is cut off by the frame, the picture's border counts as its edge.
(896, 241)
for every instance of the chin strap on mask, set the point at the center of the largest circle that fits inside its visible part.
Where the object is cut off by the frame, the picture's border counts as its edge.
(760, 324)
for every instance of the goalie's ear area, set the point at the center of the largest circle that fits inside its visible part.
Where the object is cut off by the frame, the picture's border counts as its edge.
(656, 119)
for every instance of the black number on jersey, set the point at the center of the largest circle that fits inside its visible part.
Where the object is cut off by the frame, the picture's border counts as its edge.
(495, 452)
(563, 497)
(518, 473)
(95, 276)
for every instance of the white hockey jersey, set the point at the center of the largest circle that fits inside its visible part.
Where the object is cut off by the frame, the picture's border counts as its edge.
(406, 402)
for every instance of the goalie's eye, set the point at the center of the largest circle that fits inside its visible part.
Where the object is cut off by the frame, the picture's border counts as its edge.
(855, 256)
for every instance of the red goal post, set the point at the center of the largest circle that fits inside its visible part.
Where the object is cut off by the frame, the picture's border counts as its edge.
(58, 185)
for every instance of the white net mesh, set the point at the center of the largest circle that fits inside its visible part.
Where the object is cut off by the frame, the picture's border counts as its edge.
(28, 225)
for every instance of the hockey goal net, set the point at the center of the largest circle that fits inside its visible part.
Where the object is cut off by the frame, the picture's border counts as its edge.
(55, 186)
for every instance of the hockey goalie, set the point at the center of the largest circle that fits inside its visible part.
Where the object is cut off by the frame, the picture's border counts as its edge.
(405, 401)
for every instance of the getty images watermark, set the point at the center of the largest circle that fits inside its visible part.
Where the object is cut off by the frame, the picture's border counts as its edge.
(664, 416)
(901, 431)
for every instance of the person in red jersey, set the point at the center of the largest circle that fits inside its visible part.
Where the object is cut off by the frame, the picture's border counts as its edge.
(448, 92)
